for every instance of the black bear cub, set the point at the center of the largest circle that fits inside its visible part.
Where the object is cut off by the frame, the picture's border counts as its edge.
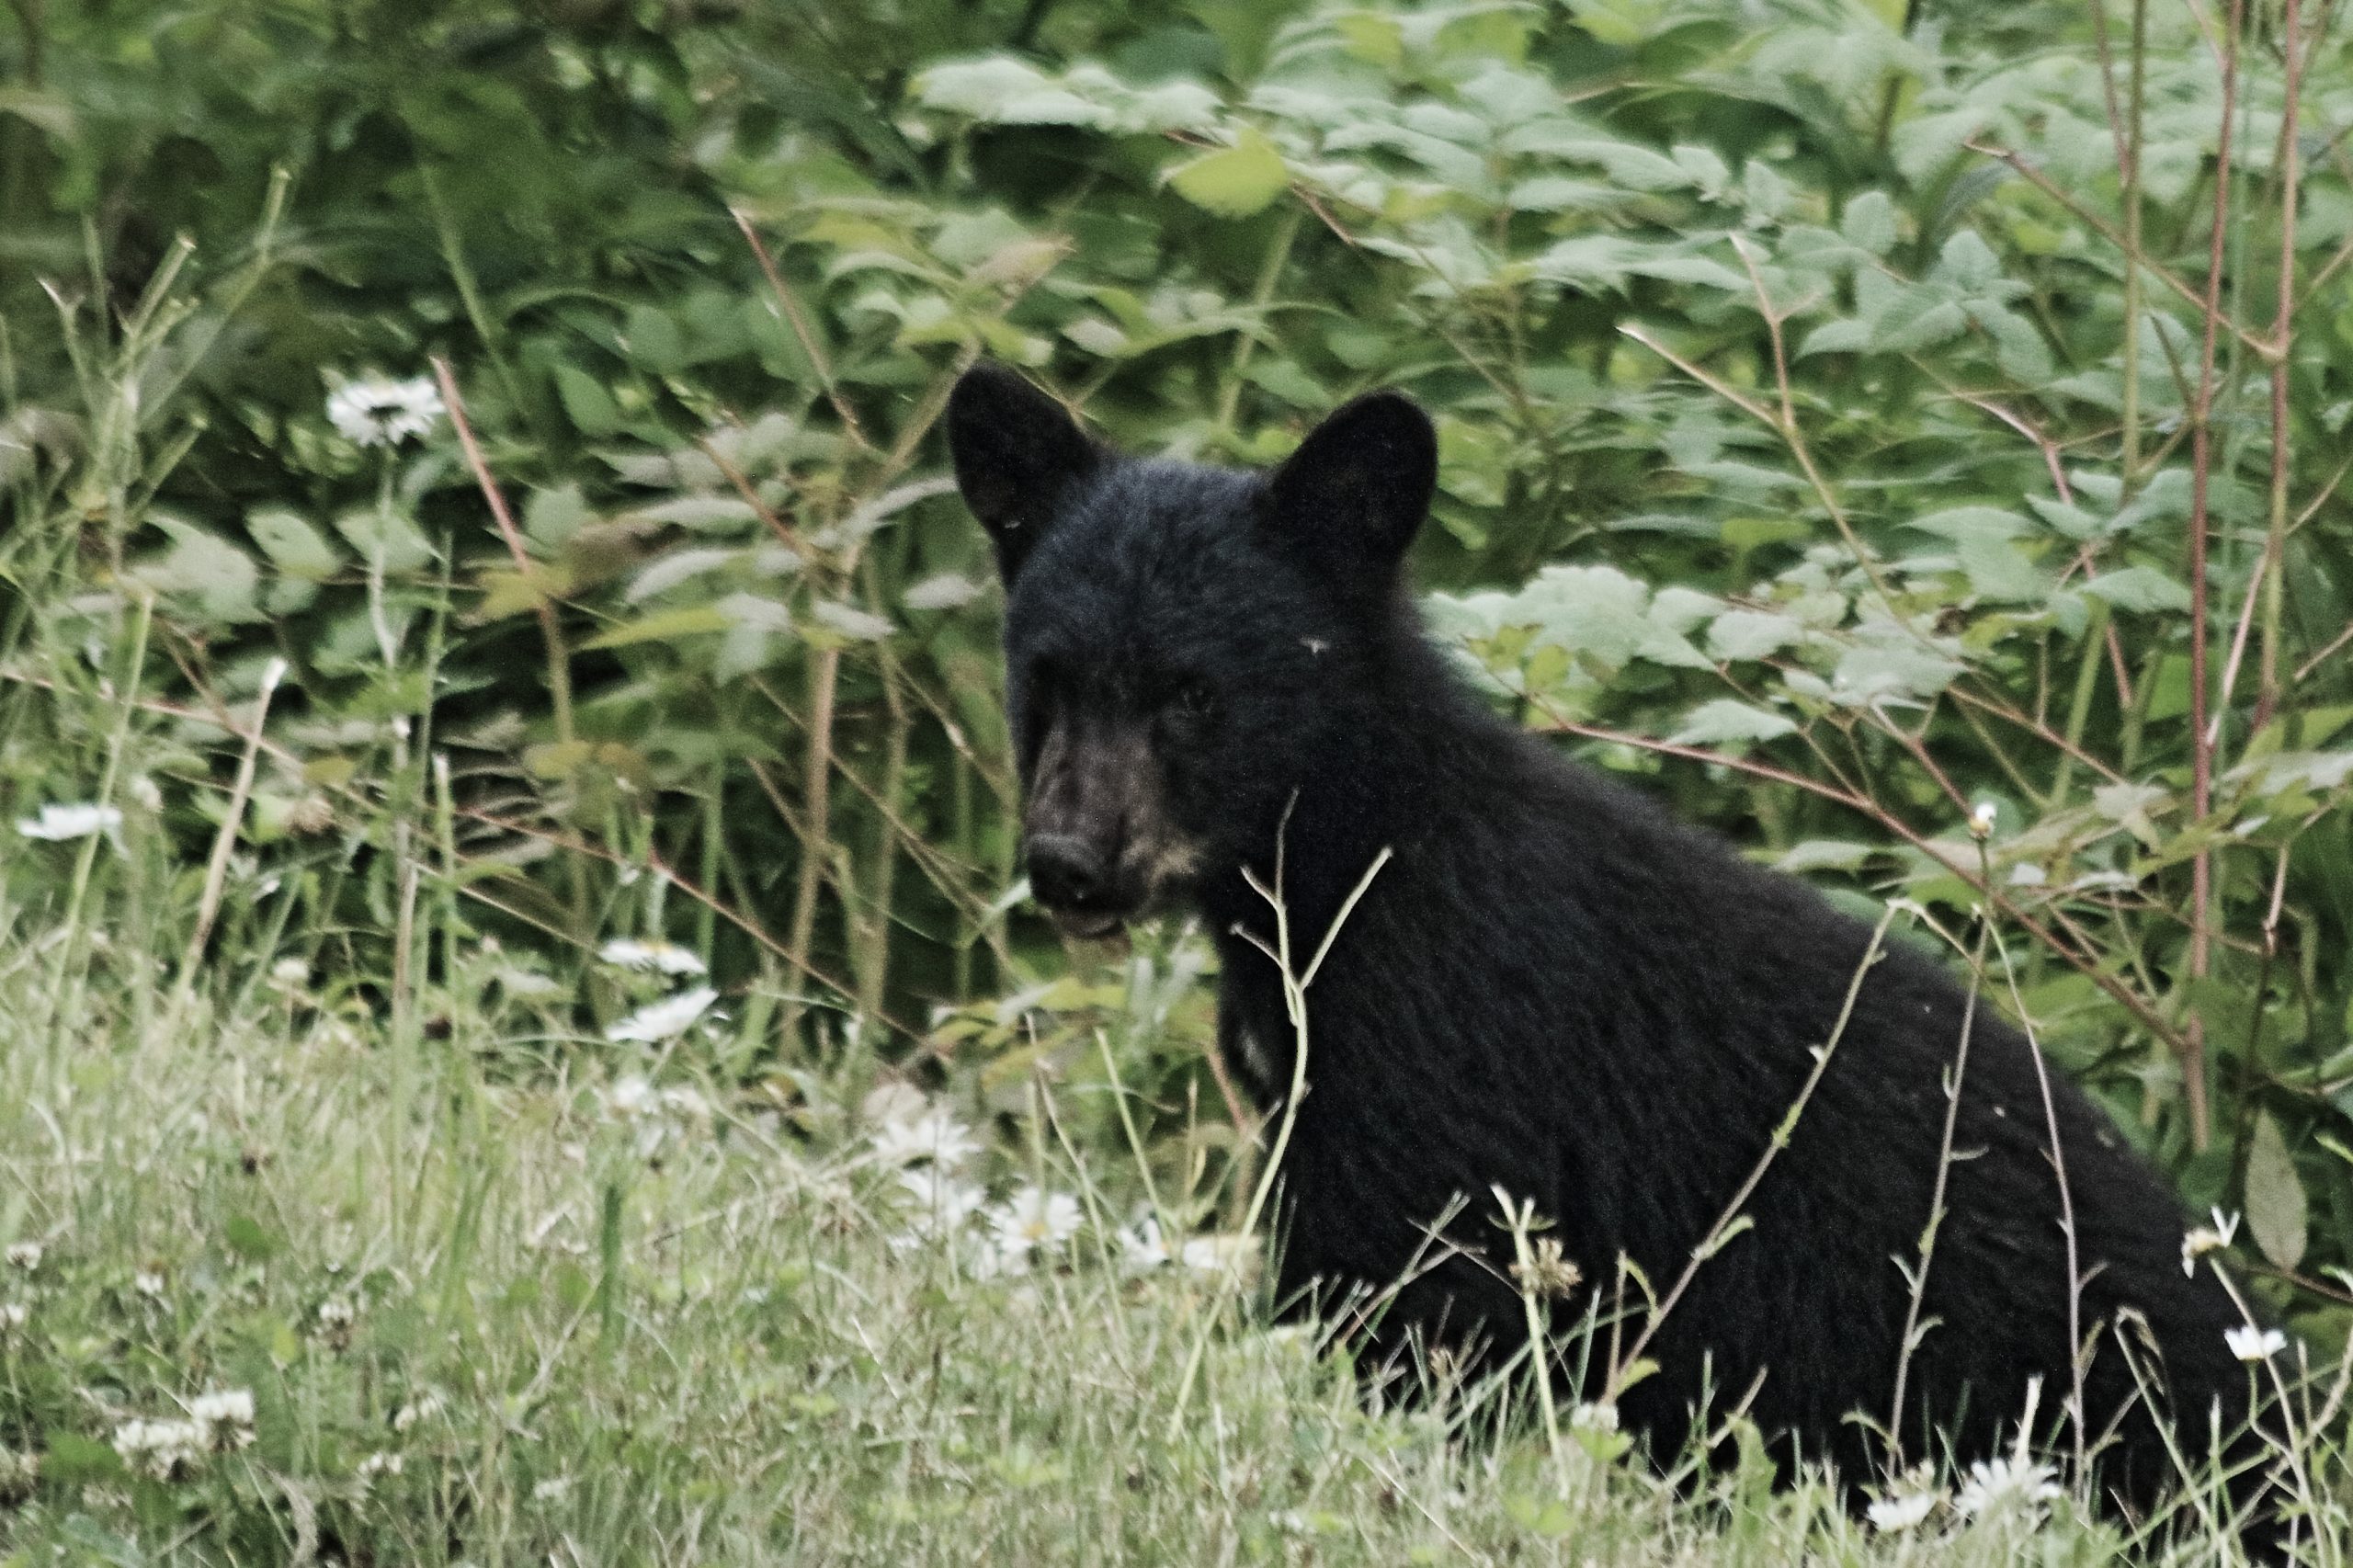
(1552, 988)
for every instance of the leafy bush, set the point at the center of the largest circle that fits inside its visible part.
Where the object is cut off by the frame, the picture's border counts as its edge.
(1866, 422)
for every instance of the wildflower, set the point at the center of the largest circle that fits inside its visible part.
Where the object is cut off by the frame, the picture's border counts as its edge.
(375, 410)
(159, 1448)
(1595, 1415)
(934, 1135)
(666, 957)
(58, 823)
(1034, 1220)
(14, 1315)
(665, 1019)
(291, 974)
(224, 1417)
(942, 1204)
(148, 1283)
(1906, 1505)
(25, 1256)
(1219, 1254)
(632, 1096)
(1998, 1486)
(336, 1314)
(2203, 1240)
(1145, 1245)
(1548, 1272)
(380, 1464)
(424, 1407)
(143, 792)
(552, 1488)
(1981, 821)
(2253, 1343)
(17, 1473)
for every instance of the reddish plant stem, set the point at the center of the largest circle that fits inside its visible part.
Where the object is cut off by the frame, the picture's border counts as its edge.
(2201, 446)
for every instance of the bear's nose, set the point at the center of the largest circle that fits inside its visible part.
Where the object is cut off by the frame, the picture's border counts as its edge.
(1065, 871)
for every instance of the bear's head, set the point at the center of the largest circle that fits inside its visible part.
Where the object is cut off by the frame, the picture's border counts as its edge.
(1184, 644)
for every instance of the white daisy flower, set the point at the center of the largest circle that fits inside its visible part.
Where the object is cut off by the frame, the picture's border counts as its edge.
(668, 958)
(1145, 1245)
(941, 1205)
(2206, 1239)
(934, 1135)
(1034, 1220)
(1900, 1511)
(2007, 1485)
(59, 823)
(665, 1019)
(1219, 1254)
(376, 411)
(632, 1096)
(2253, 1343)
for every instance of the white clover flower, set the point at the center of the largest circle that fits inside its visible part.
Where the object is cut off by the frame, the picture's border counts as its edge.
(2203, 1240)
(1034, 1220)
(2251, 1344)
(665, 1019)
(424, 1407)
(148, 1283)
(940, 1204)
(59, 823)
(934, 1135)
(668, 958)
(159, 1448)
(25, 1256)
(376, 411)
(1595, 1415)
(1996, 1486)
(224, 1417)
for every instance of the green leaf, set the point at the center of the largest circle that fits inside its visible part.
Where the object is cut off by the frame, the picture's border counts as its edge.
(2139, 588)
(2276, 1214)
(1725, 720)
(1869, 221)
(653, 340)
(204, 571)
(292, 544)
(666, 626)
(585, 402)
(1751, 634)
(1235, 181)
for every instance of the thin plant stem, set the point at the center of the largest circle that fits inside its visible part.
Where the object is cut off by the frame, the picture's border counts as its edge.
(1732, 1222)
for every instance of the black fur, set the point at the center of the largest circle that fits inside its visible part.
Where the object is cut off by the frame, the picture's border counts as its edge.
(1554, 986)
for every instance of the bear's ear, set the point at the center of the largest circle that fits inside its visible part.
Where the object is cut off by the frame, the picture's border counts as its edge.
(1016, 452)
(1355, 492)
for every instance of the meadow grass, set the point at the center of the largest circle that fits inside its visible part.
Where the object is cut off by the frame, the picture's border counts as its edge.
(500, 1296)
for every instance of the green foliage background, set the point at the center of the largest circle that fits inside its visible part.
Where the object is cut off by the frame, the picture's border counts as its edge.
(1814, 448)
